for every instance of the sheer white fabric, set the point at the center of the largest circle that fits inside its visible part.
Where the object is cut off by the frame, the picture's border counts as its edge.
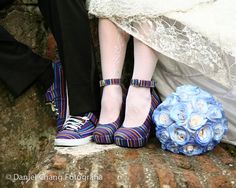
(147, 8)
(198, 33)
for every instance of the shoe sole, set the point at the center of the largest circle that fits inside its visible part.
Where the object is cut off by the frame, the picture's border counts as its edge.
(128, 143)
(72, 142)
(103, 139)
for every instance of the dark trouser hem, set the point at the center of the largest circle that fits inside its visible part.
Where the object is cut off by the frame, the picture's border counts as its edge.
(87, 103)
(46, 79)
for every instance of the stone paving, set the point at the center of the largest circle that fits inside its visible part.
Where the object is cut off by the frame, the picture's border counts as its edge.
(110, 166)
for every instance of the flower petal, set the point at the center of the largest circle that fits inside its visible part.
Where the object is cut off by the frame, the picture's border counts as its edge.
(204, 135)
(196, 121)
(178, 134)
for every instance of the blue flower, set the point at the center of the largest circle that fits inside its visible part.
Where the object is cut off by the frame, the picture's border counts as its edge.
(225, 125)
(191, 149)
(196, 121)
(178, 134)
(211, 101)
(204, 135)
(219, 105)
(171, 146)
(162, 118)
(200, 105)
(214, 113)
(190, 121)
(205, 95)
(170, 101)
(184, 97)
(219, 129)
(211, 146)
(163, 135)
(186, 92)
(180, 113)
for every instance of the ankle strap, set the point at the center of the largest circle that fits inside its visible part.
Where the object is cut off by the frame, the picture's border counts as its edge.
(115, 81)
(143, 83)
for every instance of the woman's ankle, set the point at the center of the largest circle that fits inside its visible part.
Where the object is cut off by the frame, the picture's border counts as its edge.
(111, 103)
(138, 104)
(139, 91)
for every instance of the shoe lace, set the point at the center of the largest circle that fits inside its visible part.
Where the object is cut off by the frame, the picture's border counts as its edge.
(53, 107)
(75, 122)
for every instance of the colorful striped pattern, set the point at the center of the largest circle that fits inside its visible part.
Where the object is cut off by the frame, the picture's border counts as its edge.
(143, 83)
(86, 129)
(104, 133)
(137, 136)
(56, 94)
(115, 81)
(92, 117)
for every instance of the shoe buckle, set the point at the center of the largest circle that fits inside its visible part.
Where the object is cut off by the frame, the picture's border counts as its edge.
(102, 83)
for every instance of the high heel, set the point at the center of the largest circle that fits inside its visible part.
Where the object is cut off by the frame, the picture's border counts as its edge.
(135, 137)
(104, 133)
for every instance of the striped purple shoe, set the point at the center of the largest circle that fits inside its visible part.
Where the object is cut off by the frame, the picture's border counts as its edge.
(104, 133)
(136, 137)
(56, 95)
(76, 130)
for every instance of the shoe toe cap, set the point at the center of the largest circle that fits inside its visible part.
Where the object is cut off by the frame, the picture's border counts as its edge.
(104, 134)
(131, 137)
(67, 134)
(103, 130)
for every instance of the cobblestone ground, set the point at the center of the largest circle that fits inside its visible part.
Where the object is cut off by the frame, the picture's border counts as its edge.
(111, 166)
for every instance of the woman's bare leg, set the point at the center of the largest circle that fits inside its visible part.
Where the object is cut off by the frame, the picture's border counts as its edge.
(138, 101)
(113, 43)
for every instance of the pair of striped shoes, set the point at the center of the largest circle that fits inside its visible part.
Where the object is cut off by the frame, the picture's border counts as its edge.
(71, 130)
(76, 130)
(122, 136)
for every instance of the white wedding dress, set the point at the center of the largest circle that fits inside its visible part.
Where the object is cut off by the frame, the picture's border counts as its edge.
(195, 40)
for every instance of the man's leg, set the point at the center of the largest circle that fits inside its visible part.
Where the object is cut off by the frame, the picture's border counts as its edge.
(70, 26)
(20, 67)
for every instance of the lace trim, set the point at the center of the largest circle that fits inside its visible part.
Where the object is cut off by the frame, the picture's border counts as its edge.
(148, 8)
(180, 43)
(174, 40)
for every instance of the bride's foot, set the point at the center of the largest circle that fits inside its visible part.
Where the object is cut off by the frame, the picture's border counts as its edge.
(110, 104)
(138, 104)
(111, 116)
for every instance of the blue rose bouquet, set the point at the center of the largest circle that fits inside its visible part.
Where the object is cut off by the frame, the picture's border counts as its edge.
(190, 121)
